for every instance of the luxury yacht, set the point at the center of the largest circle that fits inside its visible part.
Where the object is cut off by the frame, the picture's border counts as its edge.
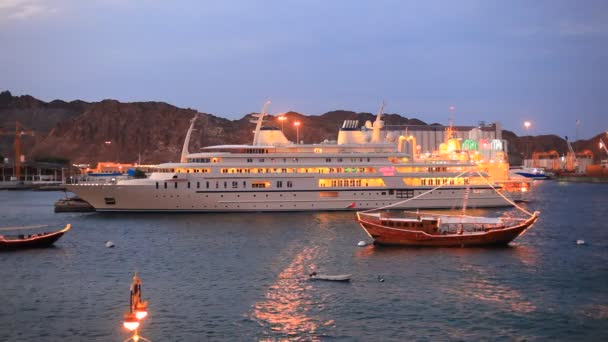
(367, 167)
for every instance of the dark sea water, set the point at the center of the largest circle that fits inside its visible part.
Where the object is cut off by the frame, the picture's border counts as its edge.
(243, 277)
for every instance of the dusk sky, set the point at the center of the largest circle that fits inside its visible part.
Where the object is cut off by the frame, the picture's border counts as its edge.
(505, 61)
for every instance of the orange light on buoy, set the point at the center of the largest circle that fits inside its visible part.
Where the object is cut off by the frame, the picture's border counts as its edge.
(141, 310)
(141, 314)
(131, 322)
(138, 310)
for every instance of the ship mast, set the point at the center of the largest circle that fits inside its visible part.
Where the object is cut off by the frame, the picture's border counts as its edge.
(258, 122)
(185, 151)
(378, 125)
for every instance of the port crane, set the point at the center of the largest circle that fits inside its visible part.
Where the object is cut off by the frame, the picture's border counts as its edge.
(19, 131)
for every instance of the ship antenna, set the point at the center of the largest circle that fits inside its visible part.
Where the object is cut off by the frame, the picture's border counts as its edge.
(259, 122)
(377, 125)
(450, 129)
(185, 151)
(380, 111)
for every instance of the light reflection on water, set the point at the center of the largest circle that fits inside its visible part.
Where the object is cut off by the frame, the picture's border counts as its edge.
(479, 286)
(285, 309)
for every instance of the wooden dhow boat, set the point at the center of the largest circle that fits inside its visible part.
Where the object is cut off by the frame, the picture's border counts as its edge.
(409, 228)
(23, 241)
(421, 229)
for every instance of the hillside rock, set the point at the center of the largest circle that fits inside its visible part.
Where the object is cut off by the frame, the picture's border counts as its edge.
(110, 130)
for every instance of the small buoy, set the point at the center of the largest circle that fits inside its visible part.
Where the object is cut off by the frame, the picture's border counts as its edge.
(362, 243)
(110, 244)
(580, 242)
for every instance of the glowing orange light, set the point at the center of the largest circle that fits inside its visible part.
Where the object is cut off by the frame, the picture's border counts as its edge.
(282, 118)
(131, 323)
(297, 123)
(141, 314)
(523, 189)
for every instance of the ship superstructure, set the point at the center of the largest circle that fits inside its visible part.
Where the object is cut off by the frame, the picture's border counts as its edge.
(366, 167)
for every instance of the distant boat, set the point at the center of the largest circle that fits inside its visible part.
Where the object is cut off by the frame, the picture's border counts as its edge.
(338, 277)
(23, 241)
(422, 229)
(529, 172)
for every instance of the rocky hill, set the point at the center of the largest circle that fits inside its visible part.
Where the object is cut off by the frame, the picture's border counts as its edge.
(110, 130)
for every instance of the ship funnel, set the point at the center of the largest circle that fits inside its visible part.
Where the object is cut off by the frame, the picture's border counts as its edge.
(185, 151)
(350, 133)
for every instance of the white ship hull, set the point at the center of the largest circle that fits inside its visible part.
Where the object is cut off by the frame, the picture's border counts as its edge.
(148, 198)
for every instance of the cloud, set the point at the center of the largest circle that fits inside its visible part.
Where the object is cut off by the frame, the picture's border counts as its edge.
(23, 9)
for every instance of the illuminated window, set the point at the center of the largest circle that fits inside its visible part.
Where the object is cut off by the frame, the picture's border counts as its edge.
(259, 184)
(324, 194)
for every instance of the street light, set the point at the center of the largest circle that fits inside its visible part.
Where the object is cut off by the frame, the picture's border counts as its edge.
(527, 125)
(282, 119)
(297, 124)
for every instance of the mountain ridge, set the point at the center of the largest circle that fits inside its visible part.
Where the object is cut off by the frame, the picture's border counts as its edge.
(86, 132)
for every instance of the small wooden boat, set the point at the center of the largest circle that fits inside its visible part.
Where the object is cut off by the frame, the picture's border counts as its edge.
(22, 241)
(338, 277)
(418, 229)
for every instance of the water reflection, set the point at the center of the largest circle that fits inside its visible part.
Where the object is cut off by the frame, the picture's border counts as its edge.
(288, 301)
(480, 287)
(527, 255)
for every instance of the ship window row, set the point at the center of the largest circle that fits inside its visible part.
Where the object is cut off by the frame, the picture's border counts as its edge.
(204, 160)
(296, 160)
(351, 182)
(402, 224)
(301, 170)
(256, 150)
(273, 160)
(191, 170)
(438, 181)
(183, 170)
(414, 169)
(227, 184)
